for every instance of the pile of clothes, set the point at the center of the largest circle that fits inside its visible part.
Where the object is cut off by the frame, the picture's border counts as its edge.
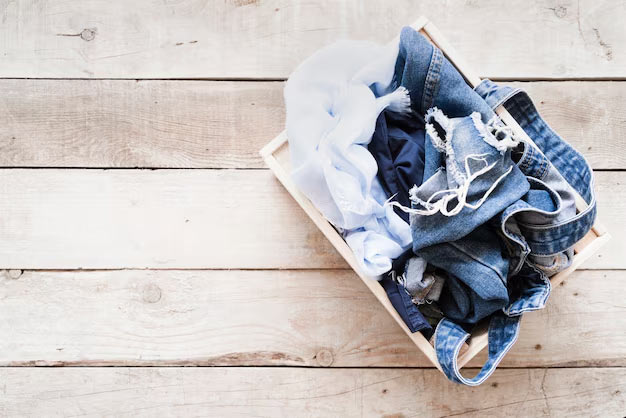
(460, 219)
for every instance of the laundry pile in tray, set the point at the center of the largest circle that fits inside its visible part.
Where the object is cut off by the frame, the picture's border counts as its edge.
(459, 218)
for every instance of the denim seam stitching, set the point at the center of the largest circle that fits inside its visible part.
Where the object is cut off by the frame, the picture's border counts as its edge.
(478, 260)
(432, 78)
(544, 296)
(569, 221)
(505, 98)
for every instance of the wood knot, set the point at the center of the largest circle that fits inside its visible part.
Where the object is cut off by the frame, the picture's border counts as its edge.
(151, 293)
(560, 11)
(14, 274)
(324, 358)
(88, 34)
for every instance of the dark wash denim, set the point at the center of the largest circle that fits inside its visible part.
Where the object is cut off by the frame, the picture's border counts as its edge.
(405, 307)
(401, 299)
(533, 224)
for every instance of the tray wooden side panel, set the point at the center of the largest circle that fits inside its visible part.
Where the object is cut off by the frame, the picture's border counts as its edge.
(278, 162)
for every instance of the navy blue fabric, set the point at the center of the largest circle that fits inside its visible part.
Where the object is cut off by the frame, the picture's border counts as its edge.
(402, 303)
(398, 148)
(398, 265)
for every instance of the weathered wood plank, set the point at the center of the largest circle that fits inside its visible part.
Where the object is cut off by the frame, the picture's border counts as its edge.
(295, 392)
(104, 123)
(589, 115)
(68, 218)
(204, 124)
(107, 219)
(609, 187)
(281, 318)
(251, 39)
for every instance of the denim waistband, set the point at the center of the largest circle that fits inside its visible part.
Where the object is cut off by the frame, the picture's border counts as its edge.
(571, 164)
(551, 151)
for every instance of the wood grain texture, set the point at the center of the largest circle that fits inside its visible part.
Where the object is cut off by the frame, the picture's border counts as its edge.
(280, 318)
(104, 123)
(260, 39)
(589, 115)
(68, 219)
(323, 319)
(276, 392)
(109, 219)
(205, 124)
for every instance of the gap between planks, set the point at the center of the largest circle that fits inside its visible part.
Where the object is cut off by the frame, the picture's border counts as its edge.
(283, 79)
(260, 40)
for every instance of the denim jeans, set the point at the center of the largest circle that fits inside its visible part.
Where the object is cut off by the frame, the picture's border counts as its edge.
(547, 226)
(544, 225)
(463, 244)
(405, 307)
(533, 210)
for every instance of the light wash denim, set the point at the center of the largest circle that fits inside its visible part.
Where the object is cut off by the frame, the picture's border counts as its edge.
(464, 244)
(532, 212)
(551, 201)
(546, 227)
(423, 287)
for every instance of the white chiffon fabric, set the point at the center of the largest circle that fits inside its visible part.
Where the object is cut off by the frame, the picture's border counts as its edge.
(333, 100)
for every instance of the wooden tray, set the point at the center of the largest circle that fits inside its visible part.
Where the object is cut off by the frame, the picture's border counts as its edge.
(276, 155)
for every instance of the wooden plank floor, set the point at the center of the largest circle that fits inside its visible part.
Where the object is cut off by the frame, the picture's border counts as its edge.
(140, 229)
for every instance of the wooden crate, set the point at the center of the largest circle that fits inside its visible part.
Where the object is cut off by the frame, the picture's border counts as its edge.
(276, 155)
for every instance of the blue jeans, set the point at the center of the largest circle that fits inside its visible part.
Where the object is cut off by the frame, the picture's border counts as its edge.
(530, 203)
(476, 181)
(542, 225)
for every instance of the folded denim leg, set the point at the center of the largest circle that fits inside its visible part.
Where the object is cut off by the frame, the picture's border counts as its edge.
(402, 303)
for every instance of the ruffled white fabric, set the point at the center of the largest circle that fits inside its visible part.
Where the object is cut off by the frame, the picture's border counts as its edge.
(333, 100)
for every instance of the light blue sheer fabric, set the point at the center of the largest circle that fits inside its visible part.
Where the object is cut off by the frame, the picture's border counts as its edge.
(333, 100)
